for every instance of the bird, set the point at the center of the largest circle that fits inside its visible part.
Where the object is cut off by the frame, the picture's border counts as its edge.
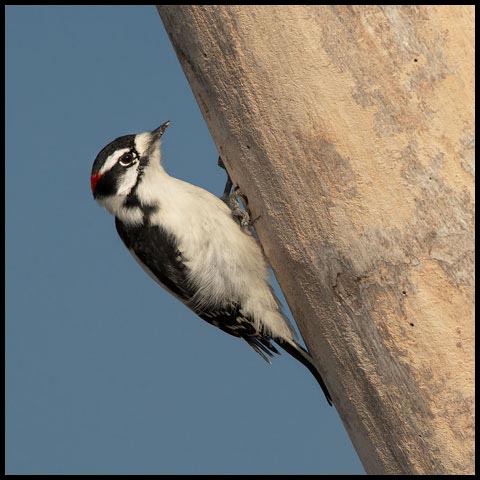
(188, 241)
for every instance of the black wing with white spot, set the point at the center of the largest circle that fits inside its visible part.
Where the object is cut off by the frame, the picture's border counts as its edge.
(157, 252)
(156, 249)
(233, 321)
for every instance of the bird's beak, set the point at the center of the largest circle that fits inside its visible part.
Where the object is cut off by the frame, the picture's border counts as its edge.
(154, 141)
(158, 132)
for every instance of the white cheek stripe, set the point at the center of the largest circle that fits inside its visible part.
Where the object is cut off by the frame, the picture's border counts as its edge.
(128, 180)
(112, 160)
(142, 142)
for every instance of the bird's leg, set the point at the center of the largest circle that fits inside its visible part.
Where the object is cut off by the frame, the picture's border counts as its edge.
(228, 186)
(242, 216)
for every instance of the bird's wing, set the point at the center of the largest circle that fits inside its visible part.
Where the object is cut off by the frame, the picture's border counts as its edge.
(233, 321)
(157, 253)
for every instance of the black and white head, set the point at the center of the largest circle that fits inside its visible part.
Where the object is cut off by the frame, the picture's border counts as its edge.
(119, 168)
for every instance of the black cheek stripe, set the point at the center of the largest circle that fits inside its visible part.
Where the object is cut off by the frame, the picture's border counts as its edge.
(106, 186)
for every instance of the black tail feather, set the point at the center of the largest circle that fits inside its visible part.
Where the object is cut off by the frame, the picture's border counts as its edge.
(300, 354)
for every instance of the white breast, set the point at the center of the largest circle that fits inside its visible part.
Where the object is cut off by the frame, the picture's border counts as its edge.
(226, 264)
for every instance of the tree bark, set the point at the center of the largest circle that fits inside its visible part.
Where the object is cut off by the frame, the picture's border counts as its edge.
(351, 131)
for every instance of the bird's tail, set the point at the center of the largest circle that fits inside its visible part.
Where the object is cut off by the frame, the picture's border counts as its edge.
(300, 354)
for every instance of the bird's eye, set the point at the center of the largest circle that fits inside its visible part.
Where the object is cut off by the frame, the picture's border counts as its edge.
(127, 159)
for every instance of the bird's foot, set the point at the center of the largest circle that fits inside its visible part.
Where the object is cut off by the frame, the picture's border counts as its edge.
(231, 198)
(228, 186)
(243, 216)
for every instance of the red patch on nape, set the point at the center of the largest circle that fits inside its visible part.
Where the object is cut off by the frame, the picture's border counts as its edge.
(93, 180)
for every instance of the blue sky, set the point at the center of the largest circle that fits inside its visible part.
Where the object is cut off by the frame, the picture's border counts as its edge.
(106, 373)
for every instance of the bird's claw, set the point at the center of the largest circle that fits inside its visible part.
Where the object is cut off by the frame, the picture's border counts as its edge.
(231, 198)
(243, 217)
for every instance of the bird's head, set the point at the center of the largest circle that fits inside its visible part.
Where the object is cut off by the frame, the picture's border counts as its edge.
(119, 168)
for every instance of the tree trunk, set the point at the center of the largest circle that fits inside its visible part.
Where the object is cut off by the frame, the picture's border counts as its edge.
(351, 131)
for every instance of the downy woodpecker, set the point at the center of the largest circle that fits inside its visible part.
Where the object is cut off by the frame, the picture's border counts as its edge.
(189, 242)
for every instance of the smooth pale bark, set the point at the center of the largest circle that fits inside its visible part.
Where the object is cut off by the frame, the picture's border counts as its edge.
(351, 132)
